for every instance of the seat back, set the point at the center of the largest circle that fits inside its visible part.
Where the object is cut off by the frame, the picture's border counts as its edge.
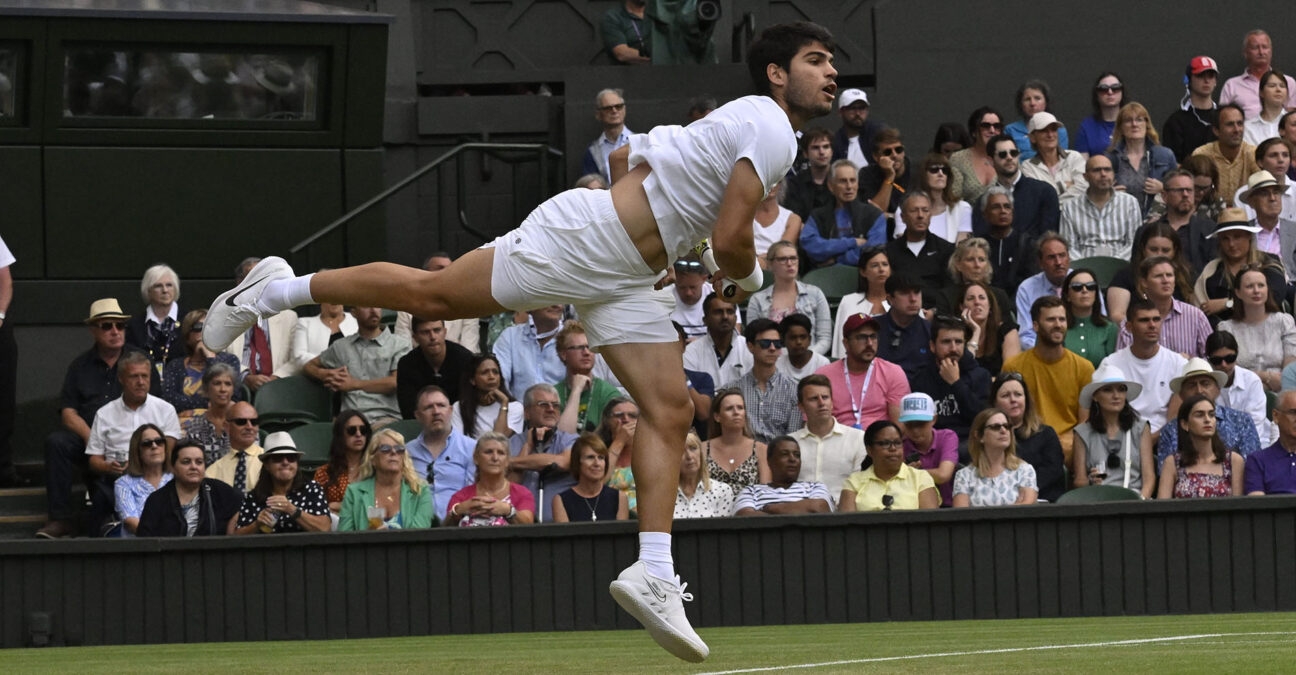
(1103, 267)
(836, 281)
(313, 440)
(291, 401)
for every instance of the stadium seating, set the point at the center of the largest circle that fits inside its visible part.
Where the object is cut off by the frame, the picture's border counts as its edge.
(410, 429)
(313, 440)
(836, 281)
(292, 401)
(1104, 267)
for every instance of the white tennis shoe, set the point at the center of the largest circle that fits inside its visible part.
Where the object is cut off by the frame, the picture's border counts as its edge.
(658, 604)
(235, 310)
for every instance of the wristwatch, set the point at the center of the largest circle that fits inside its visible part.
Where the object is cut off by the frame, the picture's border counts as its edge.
(1228, 304)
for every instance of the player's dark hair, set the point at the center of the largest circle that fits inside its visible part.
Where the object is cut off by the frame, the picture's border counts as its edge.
(778, 45)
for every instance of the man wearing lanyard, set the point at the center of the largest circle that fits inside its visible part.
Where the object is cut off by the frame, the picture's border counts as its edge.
(864, 388)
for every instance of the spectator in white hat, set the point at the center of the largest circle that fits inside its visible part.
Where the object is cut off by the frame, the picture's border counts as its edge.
(854, 141)
(1063, 169)
(1114, 446)
(285, 499)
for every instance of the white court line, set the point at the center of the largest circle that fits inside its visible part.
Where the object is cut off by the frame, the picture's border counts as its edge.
(1006, 650)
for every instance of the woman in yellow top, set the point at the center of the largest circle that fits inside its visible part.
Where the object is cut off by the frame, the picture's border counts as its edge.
(888, 484)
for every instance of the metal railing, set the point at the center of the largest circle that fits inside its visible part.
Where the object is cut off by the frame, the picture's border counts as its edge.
(540, 153)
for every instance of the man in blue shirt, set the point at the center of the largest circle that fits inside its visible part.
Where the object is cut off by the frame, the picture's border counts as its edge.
(440, 454)
(1272, 471)
(1055, 264)
(837, 234)
(528, 353)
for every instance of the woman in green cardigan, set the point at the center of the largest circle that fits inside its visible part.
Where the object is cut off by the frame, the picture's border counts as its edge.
(389, 494)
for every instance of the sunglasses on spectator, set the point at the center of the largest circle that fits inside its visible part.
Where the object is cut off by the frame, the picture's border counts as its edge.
(1005, 154)
(1091, 286)
(888, 444)
(391, 449)
(938, 168)
(786, 259)
(106, 326)
(887, 152)
(197, 327)
(626, 415)
(577, 348)
(997, 426)
(1109, 88)
(355, 429)
(1223, 359)
(610, 108)
(767, 343)
(688, 264)
(244, 421)
(547, 405)
(991, 125)
(1113, 459)
(152, 442)
(279, 458)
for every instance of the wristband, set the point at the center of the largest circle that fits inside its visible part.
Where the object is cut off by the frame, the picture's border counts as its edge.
(752, 282)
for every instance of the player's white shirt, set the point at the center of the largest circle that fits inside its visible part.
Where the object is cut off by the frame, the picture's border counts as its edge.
(691, 165)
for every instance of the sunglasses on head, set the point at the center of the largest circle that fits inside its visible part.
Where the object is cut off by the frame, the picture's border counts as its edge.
(354, 429)
(243, 421)
(106, 326)
(1005, 154)
(938, 168)
(1091, 286)
(1221, 360)
(1010, 375)
(1109, 88)
(767, 343)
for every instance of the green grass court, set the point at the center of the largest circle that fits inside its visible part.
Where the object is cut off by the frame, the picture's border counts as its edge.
(1221, 643)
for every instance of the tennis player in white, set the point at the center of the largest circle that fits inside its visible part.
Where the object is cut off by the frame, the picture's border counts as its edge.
(602, 251)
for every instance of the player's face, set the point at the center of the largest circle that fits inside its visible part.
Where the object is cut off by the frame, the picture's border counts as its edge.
(811, 82)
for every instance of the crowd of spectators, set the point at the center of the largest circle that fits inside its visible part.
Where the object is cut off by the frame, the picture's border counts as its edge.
(991, 354)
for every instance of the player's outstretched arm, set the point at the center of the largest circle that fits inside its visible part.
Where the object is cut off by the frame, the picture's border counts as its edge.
(732, 239)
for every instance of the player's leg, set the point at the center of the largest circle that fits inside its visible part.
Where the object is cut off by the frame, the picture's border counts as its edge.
(461, 290)
(649, 590)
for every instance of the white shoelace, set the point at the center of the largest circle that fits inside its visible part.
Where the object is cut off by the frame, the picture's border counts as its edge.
(686, 597)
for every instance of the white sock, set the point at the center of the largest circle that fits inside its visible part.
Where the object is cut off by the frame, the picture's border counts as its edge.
(282, 294)
(655, 554)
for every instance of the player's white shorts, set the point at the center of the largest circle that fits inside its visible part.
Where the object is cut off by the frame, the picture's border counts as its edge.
(573, 249)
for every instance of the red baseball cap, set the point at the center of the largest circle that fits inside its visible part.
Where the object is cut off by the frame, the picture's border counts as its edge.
(1201, 64)
(858, 321)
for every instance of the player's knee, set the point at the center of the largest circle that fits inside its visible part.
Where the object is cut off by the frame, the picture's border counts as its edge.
(672, 412)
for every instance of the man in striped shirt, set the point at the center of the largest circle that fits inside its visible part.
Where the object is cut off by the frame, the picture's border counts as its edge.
(784, 494)
(1104, 222)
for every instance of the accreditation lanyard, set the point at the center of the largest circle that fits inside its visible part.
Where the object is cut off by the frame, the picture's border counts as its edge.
(857, 407)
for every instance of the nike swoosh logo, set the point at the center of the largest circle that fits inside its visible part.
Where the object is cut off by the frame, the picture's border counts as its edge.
(230, 300)
(657, 592)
